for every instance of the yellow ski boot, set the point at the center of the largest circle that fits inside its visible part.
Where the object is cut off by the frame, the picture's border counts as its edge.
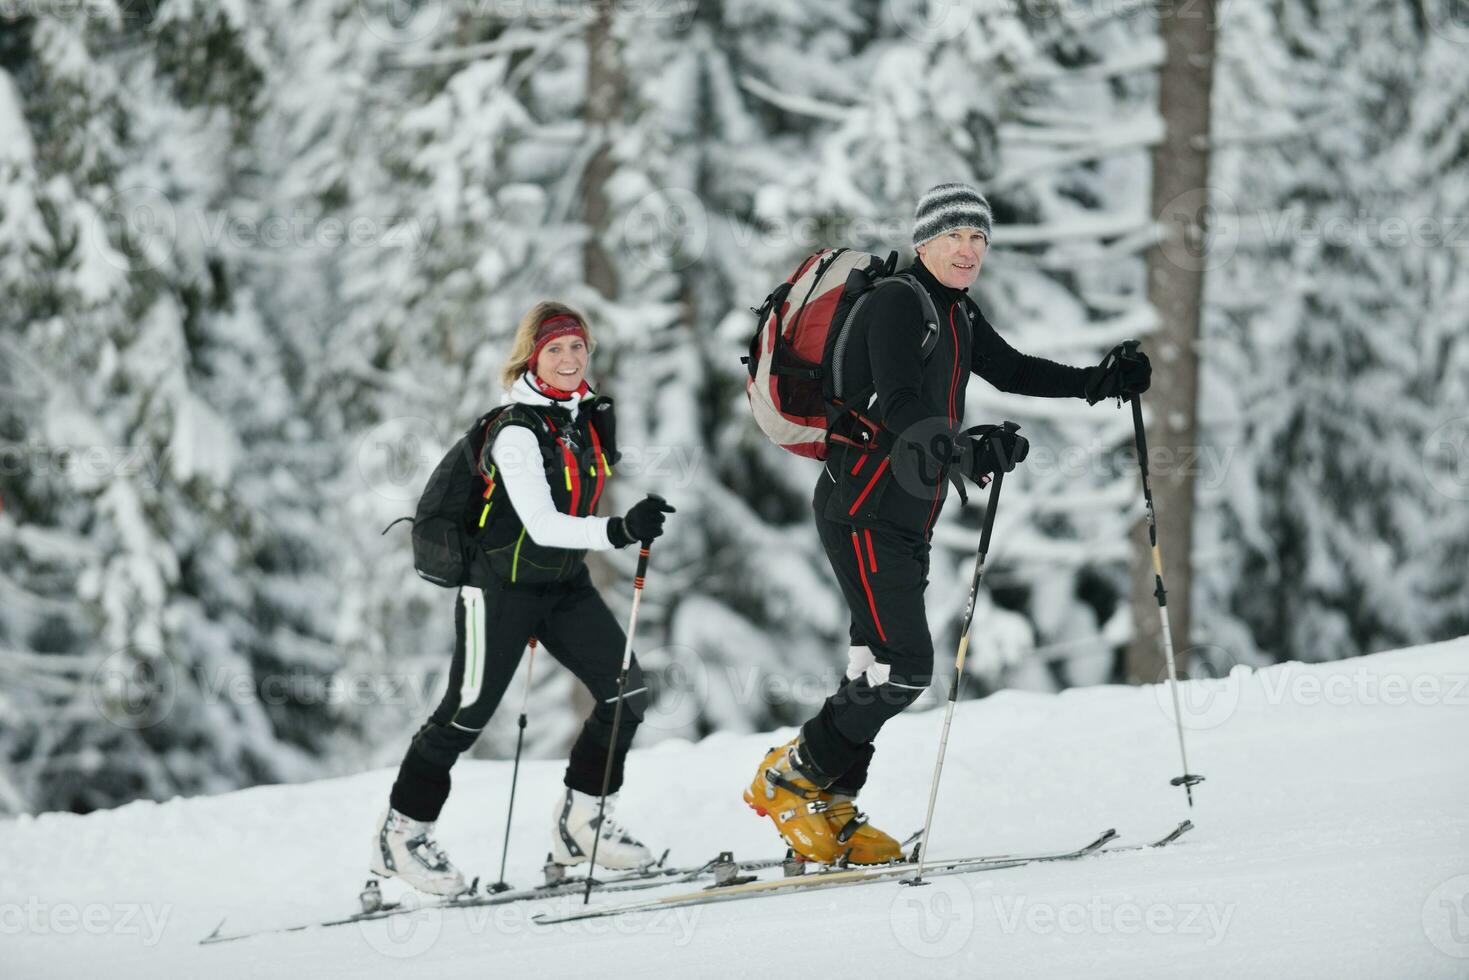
(795, 804)
(862, 842)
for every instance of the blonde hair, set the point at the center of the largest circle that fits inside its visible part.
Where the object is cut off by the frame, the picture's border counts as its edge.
(525, 337)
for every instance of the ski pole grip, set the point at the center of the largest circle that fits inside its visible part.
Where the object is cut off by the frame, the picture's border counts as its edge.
(1140, 436)
(642, 571)
(989, 514)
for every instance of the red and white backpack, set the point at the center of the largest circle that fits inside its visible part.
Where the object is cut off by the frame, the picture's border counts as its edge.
(796, 356)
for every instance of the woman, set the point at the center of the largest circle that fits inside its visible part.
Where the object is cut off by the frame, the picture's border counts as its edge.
(544, 460)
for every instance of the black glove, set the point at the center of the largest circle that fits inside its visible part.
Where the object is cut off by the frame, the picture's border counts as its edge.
(643, 522)
(986, 449)
(605, 422)
(1124, 372)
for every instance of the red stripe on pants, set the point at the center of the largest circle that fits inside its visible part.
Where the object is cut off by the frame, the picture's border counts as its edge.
(871, 600)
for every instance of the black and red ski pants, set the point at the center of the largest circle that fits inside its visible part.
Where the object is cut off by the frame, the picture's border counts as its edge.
(883, 575)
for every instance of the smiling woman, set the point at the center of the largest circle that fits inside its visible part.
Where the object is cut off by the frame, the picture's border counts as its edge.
(544, 458)
(545, 326)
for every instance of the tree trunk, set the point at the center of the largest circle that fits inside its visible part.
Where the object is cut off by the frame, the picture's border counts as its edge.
(606, 93)
(1176, 268)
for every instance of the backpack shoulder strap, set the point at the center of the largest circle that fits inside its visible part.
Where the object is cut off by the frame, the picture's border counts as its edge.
(496, 420)
(930, 313)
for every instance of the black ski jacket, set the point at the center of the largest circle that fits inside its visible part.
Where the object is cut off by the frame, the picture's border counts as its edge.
(888, 459)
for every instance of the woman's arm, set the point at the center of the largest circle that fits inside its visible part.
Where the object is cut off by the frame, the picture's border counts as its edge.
(519, 466)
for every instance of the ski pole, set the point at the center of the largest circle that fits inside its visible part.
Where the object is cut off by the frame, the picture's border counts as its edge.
(1187, 780)
(991, 505)
(530, 665)
(632, 625)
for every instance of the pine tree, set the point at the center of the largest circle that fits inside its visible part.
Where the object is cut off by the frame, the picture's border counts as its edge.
(161, 586)
(1329, 521)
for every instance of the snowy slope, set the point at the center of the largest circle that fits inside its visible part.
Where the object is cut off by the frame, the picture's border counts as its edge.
(1333, 842)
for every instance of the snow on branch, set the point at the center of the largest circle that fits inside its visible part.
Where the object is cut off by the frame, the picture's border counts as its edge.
(795, 103)
(518, 41)
(1100, 225)
(1146, 56)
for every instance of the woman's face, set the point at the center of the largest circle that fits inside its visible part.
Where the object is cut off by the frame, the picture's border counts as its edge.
(563, 363)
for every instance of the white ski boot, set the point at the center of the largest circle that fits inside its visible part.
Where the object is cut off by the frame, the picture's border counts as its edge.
(571, 838)
(404, 848)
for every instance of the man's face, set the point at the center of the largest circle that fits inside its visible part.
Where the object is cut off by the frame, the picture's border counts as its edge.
(954, 258)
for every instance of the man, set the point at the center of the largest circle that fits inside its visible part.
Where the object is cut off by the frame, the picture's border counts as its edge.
(886, 477)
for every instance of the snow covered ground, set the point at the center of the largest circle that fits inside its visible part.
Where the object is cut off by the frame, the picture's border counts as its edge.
(1332, 842)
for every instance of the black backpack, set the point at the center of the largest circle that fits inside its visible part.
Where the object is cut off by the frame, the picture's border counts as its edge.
(452, 515)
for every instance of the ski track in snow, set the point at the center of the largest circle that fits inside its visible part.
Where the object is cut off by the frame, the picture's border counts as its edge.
(1332, 842)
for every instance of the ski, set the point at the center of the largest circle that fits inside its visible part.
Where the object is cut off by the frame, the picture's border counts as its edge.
(854, 876)
(722, 868)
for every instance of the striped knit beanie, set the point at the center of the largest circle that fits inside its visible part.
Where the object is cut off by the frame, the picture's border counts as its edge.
(945, 207)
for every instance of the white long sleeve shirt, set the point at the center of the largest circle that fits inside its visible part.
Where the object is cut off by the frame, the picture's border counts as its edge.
(521, 469)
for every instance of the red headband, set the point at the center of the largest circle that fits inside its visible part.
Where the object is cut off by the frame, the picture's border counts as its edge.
(560, 325)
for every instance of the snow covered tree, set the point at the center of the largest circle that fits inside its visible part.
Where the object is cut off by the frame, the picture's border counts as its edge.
(1328, 530)
(152, 568)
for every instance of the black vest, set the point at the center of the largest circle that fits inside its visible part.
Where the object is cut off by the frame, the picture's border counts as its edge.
(577, 463)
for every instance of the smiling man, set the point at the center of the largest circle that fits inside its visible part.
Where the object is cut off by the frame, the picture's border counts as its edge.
(888, 466)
